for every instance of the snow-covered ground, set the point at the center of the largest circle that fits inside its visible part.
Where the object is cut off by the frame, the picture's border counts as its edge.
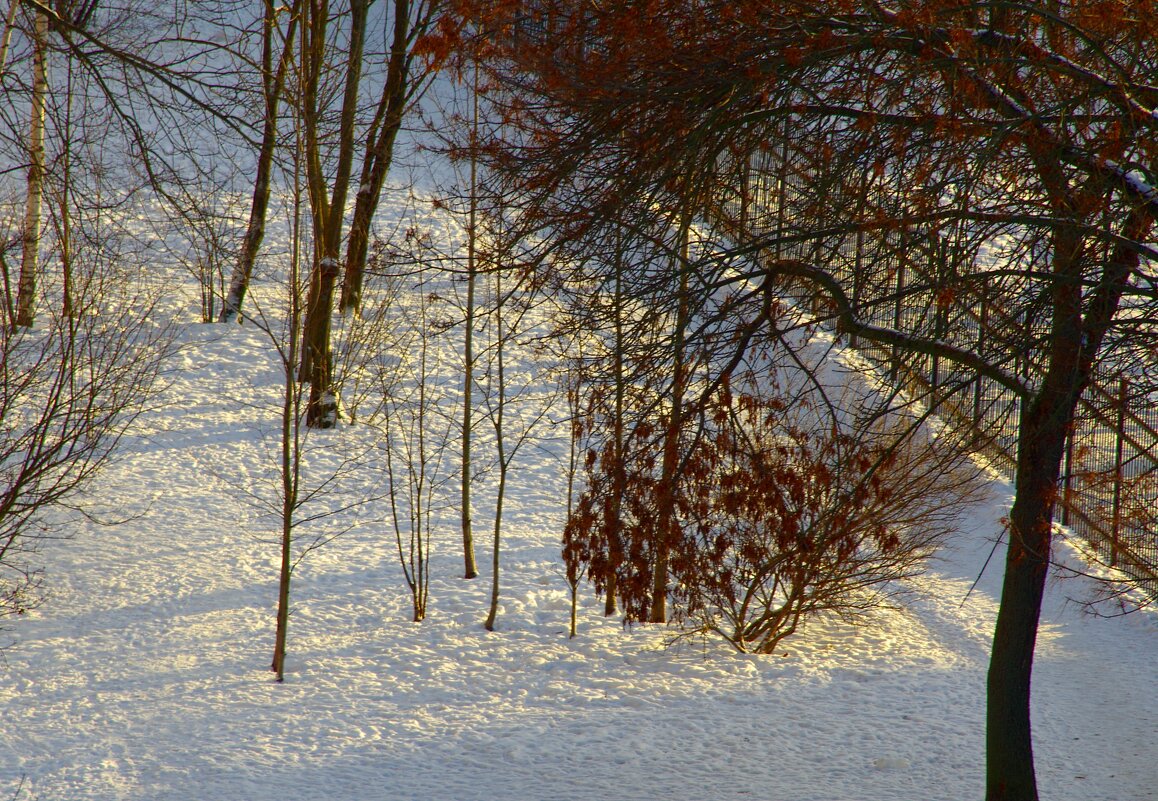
(145, 674)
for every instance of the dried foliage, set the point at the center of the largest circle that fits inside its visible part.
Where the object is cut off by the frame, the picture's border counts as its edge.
(784, 511)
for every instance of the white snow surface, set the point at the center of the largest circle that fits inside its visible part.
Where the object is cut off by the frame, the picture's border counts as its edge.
(145, 674)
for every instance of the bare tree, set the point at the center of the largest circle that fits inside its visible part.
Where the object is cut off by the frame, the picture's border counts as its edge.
(316, 489)
(273, 79)
(69, 389)
(416, 426)
(30, 234)
(515, 411)
(329, 188)
(1026, 130)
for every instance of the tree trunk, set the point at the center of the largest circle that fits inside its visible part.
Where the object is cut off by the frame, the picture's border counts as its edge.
(30, 257)
(6, 34)
(1045, 422)
(283, 594)
(1009, 749)
(379, 157)
(619, 469)
(668, 525)
(470, 569)
(259, 205)
(290, 443)
(500, 411)
(322, 411)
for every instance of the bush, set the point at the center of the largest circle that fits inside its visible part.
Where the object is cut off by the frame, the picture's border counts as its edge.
(786, 509)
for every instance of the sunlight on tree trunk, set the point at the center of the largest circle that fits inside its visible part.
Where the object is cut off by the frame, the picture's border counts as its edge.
(30, 256)
(273, 82)
(470, 569)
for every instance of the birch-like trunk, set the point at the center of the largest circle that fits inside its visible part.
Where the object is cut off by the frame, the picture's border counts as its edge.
(6, 35)
(30, 255)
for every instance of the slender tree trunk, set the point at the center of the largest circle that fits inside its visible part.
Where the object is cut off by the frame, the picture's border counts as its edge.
(283, 591)
(379, 156)
(500, 410)
(669, 476)
(6, 34)
(290, 446)
(30, 256)
(619, 473)
(5, 40)
(64, 210)
(470, 569)
(272, 84)
(574, 384)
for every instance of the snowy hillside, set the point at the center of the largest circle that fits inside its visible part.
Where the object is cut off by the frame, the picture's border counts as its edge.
(145, 674)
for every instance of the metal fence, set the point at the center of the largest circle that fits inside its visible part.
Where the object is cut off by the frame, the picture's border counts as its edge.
(1109, 488)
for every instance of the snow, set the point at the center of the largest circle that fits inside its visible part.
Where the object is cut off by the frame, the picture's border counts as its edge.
(145, 674)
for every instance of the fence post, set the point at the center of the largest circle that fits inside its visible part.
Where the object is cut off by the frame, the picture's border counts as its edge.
(858, 263)
(899, 305)
(982, 325)
(745, 194)
(897, 316)
(782, 190)
(1116, 531)
(1069, 472)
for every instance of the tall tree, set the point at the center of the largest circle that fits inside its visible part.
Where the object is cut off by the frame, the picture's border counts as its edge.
(1034, 118)
(470, 569)
(327, 190)
(329, 187)
(30, 233)
(272, 83)
(408, 73)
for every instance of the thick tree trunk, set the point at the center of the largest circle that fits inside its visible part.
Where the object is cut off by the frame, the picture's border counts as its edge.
(1045, 422)
(1009, 749)
(1075, 340)
(365, 204)
(322, 411)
